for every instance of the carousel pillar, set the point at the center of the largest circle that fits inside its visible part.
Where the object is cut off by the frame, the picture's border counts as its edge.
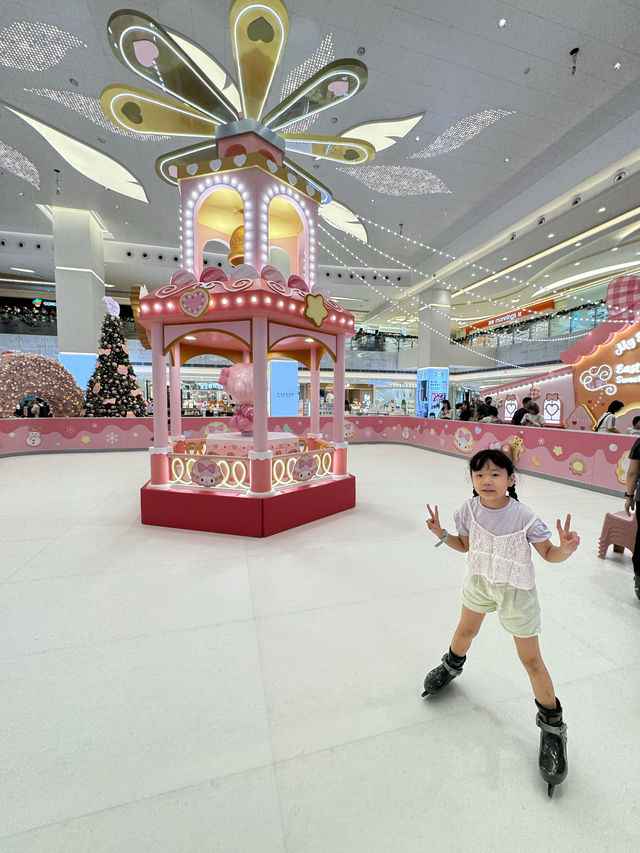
(256, 228)
(174, 393)
(260, 456)
(314, 395)
(160, 450)
(339, 444)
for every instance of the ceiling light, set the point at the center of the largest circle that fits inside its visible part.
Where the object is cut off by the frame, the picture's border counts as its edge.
(109, 285)
(21, 269)
(502, 23)
(601, 209)
(577, 244)
(617, 66)
(550, 235)
(361, 51)
(504, 259)
(546, 275)
(529, 266)
(577, 264)
(615, 249)
(190, 337)
(417, 139)
(507, 159)
(73, 81)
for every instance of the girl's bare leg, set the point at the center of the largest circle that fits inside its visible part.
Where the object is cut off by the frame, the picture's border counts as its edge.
(529, 653)
(468, 627)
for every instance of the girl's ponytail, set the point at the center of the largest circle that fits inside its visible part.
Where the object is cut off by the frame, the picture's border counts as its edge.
(512, 492)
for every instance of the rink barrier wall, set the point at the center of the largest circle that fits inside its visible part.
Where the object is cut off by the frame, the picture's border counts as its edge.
(590, 460)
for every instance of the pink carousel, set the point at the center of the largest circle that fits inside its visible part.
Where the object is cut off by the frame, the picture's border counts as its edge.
(242, 190)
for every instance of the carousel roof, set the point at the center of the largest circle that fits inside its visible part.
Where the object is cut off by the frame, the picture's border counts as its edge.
(249, 293)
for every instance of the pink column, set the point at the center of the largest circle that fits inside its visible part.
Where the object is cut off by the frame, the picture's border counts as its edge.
(260, 456)
(340, 445)
(256, 227)
(160, 449)
(174, 393)
(314, 393)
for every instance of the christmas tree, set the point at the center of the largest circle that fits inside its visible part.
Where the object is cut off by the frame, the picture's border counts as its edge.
(112, 391)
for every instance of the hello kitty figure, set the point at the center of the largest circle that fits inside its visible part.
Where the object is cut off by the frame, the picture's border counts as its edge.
(206, 473)
(304, 469)
(34, 438)
(463, 440)
(238, 383)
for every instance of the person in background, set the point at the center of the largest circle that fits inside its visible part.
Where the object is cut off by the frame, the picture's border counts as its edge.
(150, 407)
(466, 411)
(482, 409)
(516, 420)
(631, 497)
(533, 416)
(607, 422)
(432, 414)
(403, 406)
(347, 406)
(456, 414)
(491, 417)
(446, 412)
(635, 428)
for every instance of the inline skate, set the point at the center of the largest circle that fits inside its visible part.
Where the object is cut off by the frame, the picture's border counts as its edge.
(552, 757)
(438, 678)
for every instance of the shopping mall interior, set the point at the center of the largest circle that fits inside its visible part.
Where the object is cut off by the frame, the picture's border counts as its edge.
(172, 683)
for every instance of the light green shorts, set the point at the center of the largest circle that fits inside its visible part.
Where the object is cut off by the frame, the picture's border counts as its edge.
(518, 609)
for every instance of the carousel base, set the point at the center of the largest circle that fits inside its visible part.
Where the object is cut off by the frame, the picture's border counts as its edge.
(190, 508)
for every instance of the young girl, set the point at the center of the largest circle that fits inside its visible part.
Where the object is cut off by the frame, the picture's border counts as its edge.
(496, 531)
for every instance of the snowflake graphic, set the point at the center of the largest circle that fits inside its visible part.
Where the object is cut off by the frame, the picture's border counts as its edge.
(112, 438)
(442, 441)
(541, 441)
(69, 430)
(368, 433)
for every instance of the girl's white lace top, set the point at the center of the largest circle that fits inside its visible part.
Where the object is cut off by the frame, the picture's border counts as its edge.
(499, 540)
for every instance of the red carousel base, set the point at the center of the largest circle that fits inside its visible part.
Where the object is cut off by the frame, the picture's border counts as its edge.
(196, 509)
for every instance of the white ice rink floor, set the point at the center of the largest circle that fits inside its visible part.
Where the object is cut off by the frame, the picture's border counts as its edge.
(164, 691)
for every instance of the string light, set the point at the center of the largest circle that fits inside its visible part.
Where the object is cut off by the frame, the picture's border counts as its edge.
(420, 322)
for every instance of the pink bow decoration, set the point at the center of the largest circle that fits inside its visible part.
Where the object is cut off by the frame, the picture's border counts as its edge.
(306, 462)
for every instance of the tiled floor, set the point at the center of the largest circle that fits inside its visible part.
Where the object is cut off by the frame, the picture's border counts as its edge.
(178, 692)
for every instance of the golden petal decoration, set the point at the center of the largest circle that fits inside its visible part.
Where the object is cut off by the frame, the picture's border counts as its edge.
(166, 164)
(88, 161)
(143, 112)
(341, 217)
(145, 48)
(258, 35)
(381, 134)
(352, 152)
(211, 67)
(332, 85)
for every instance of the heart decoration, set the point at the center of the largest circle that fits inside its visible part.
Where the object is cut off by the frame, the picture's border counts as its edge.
(146, 52)
(311, 190)
(215, 164)
(192, 168)
(292, 178)
(173, 171)
(552, 409)
(260, 30)
(338, 88)
(272, 166)
(132, 111)
(194, 302)
(240, 159)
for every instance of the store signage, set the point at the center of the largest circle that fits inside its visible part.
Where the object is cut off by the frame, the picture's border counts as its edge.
(512, 316)
(611, 372)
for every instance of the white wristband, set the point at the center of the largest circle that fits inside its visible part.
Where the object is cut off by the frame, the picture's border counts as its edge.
(443, 540)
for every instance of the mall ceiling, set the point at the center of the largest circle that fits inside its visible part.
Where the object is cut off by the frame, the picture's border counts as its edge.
(525, 149)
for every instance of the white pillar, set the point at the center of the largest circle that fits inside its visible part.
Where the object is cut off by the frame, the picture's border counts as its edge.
(79, 275)
(434, 347)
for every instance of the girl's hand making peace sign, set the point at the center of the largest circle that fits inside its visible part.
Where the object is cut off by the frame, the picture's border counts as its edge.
(433, 522)
(569, 539)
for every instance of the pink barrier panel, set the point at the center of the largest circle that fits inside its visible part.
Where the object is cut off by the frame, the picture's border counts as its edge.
(585, 458)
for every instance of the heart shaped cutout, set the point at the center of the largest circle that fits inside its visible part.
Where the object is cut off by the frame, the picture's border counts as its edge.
(131, 111)
(173, 171)
(215, 164)
(292, 178)
(272, 166)
(146, 52)
(260, 30)
(339, 88)
(192, 168)
(194, 302)
(240, 159)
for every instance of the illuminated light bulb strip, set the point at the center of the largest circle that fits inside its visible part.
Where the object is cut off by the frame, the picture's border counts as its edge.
(412, 299)
(275, 191)
(420, 322)
(437, 251)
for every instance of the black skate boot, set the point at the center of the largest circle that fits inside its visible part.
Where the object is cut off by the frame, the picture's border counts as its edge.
(450, 668)
(552, 757)
(636, 584)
